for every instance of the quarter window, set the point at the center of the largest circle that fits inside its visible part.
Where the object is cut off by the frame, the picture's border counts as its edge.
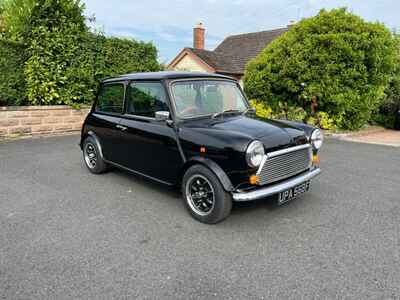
(111, 98)
(145, 98)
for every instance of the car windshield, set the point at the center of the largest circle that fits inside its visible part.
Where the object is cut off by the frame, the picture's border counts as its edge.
(207, 97)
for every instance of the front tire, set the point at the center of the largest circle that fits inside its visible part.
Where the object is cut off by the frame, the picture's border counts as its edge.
(204, 195)
(92, 156)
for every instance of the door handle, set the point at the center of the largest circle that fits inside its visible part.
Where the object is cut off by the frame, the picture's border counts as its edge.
(121, 127)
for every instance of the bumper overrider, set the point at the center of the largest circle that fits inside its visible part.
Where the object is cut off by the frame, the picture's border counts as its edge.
(272, 189)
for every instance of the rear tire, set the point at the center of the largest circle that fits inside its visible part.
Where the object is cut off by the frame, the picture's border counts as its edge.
(92, 156)
(204, 196)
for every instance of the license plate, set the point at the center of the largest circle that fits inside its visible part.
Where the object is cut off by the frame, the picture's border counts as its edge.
(293, 192)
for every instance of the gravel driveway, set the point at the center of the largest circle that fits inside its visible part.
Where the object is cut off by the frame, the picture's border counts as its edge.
(65, 233)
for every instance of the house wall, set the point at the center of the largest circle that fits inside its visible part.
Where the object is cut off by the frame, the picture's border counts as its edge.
(37, 120)
(187, 63)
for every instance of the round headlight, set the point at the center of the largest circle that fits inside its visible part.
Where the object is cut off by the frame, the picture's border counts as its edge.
(317, 139)
(254, 154)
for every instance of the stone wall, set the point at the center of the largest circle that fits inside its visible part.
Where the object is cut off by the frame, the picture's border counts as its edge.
(36, 120)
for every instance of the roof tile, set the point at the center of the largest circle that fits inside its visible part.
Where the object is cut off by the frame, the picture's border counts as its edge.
(232, 55)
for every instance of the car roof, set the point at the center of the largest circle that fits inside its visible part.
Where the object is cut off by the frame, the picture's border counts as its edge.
(165, 75)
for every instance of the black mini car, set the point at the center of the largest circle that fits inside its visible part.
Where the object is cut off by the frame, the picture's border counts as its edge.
(197, 131)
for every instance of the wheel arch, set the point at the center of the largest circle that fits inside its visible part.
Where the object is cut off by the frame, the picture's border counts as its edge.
(96, 139)
(212, 166)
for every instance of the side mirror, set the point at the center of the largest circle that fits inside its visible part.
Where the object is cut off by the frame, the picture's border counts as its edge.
(162, 116)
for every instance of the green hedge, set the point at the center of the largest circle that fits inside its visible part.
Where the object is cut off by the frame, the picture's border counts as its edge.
(390, 106)
(344, 62)
(57, 60)
(12, 80)
(119, 56)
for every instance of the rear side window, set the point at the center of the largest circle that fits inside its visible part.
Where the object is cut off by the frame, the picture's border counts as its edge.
(145, 98)
(111, 98)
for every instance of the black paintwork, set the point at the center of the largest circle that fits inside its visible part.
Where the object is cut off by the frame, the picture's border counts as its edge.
(163, 151)
(164, 75)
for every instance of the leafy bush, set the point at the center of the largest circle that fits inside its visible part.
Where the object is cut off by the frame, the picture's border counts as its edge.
(63, 61)
(284, 111)
(16, 15)
(337, 57)
(121, 56)
(320, 119)
(390, 106)
(262, 110)
(2, 25)
(12, 82)
(287, 112)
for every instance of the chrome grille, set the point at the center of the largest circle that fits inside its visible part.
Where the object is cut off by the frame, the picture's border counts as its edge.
(284, 163)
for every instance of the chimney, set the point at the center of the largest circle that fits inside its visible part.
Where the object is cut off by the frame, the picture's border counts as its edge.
(198, 36)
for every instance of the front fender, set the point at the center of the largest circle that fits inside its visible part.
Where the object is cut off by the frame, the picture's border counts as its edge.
(215, 168)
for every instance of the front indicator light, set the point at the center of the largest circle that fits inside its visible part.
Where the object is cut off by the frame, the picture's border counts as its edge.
(315, 159)
(253, 179)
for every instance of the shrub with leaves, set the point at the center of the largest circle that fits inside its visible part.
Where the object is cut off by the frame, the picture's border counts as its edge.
(262, 110)
(337, 57)
(320, 119)
(390, 106)
(121, 55)
(284, 112)
(63, 61)
(12, 80)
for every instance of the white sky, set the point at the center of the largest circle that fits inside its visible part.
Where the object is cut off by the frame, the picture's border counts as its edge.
(168, 24)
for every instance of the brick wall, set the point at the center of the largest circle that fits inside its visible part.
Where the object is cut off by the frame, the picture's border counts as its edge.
(36, 120)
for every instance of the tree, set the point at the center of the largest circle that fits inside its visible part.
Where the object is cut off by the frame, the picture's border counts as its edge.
(54, 36)
(390, 106)
(335, 58)
(68, 60)
(2, 22)
(61, 60)
(12, 81)
(15, 15)
(123, 55)
(2, 26)
(12, 59)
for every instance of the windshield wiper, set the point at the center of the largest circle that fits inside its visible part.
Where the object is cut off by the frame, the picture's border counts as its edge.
(249, 109)
(228, 111)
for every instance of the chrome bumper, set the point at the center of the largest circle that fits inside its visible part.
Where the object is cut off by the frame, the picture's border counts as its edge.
(275, 188)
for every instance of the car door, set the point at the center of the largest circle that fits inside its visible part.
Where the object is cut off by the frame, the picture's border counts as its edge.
(106, 117)
(150, 146)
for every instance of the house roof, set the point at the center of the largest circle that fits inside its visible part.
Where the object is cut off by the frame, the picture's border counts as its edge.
(235, 51)
(217, 61)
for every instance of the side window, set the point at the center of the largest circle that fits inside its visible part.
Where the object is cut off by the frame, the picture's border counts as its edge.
(145, 98)
(111, 98)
